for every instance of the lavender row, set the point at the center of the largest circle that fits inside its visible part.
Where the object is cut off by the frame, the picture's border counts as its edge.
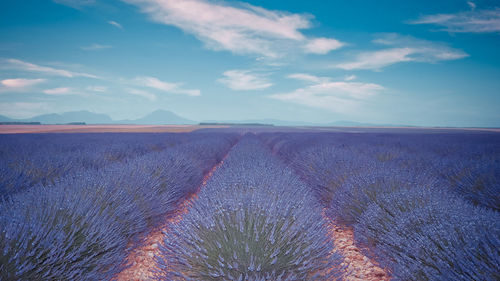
(30, 159)
(425, 205)
(80, 226)
(468, 164)
(254, 220)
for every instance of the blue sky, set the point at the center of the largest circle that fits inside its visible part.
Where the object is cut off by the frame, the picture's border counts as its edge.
(402, 62)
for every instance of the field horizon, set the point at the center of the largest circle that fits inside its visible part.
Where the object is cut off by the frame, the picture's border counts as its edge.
(127, 128)
(249, 140)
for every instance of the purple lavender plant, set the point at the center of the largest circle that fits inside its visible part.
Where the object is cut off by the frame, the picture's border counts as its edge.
(78, 227)
(254, 220)
(399, 192)
(426, 234)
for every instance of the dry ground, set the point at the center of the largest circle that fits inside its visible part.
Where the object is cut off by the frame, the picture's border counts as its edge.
(22, 129)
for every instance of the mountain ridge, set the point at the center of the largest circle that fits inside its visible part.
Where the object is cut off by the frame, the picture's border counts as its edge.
(166, 117)
(157, 117)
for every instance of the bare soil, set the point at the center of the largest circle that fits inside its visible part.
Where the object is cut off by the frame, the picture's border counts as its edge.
(23, 129)
(358, 266)
(142, 260)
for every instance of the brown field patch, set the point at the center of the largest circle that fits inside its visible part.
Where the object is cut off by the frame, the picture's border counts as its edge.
(26, 129)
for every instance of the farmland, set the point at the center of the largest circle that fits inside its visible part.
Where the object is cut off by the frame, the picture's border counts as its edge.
(249, 203)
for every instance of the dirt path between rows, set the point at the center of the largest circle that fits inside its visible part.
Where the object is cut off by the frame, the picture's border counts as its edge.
(32, 129)
(359, 266)
(142, 259)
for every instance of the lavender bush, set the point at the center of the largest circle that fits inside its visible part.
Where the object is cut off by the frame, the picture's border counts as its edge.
(79, 226)
(477, 181)
(254, 220)
(30, 159)
(399, 191)
(424, 234)
(58, 234)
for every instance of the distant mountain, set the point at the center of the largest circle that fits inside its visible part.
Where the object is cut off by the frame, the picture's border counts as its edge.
(71, 117)
(161, 117)
(165, 117)
(275, 122)
(158, 117)
(344, 123)
(5, 119)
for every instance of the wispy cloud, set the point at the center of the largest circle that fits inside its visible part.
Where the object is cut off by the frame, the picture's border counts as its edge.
(239, 28)
(473, 21)
(19, 83)
(77, 4)
(322, 45)
(59, 91)
(100, 89)
(70, 91)
(244, 80)
(96, 47)
(337, 96)
(305, 77)
(141, 93)
(174, 88)
(26, 66)
(402, 49)
(115, 24)
(350, 77)
(472, 5)
(378, 59)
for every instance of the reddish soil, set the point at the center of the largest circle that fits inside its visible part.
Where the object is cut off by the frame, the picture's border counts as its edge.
(22, 129)
(358, 266)
(142, 259)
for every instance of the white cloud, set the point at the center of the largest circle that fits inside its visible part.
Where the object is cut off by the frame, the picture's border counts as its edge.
(378, 59)
(20, 83)
(350, 77)
(474, 21)
(23, 109)
(59, 91)
(403, 49)
(472, 5)
(239, 28)
(116, 24)
(306, 77)
(337, 96)
(168, 87)
(26, 66)
(100, 89)
(322, 45)
(244, 80)
(96, 47)
(141, 93)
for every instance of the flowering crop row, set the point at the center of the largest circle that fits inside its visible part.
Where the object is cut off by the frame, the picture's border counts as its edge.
(79, 225)
(30, 159)
(254, 220)
(425, 205)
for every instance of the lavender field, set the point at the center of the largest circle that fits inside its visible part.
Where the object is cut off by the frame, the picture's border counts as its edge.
(250, 204)
(249, 140)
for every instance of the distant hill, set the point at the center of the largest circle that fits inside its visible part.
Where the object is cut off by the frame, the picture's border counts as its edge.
(158, 117)
(5, 119)
(233, 124)
(165, 117)
(162, 117)
(275, 122)
(344, 123)
(72, 117)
